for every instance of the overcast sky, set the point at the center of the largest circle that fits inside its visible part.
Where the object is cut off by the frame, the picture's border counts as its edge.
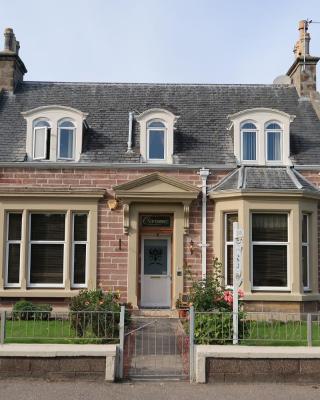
(205, 41)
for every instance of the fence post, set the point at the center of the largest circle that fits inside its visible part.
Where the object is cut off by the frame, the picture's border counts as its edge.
(3, 327)
(121, 344)
(191, 343)
(309, 329)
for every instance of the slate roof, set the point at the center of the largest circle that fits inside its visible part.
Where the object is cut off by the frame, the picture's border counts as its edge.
(265, 178)
(201, 136)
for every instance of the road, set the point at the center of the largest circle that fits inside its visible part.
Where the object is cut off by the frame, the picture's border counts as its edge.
(20, 389)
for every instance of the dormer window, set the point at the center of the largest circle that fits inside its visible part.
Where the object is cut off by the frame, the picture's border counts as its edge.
(273, 138)
(66, 140)
(41, 140)
(261, 136)
(249, 141)
(156, 135)
(156, 141)
(54, 133)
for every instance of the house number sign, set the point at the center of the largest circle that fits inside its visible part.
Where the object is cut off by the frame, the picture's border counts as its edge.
(156, 220)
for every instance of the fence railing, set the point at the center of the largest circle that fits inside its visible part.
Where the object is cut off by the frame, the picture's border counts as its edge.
(59, 327)
(260, 329)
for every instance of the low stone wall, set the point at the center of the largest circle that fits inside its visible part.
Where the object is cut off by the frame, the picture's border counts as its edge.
(216, 364)
(262, 370)
(58, 362)
(57, 368)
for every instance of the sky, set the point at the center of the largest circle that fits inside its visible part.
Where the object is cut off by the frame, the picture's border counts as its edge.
(166, 41)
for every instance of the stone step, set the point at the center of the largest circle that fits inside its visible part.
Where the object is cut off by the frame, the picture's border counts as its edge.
(148, 312)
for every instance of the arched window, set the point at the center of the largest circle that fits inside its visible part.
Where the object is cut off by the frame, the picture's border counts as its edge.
(273, 141)
(156, 140)
(66, 140)
(249, 141)
(41, 139)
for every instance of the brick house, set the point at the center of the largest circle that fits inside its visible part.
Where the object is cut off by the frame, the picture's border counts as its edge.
(122, 185)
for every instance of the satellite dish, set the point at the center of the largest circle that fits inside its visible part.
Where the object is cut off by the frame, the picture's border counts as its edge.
(282, 80)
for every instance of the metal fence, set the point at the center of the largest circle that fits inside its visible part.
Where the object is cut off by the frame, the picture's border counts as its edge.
(258, 328)
(59, 327)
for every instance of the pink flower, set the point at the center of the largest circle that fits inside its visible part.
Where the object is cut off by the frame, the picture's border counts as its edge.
(241, 293)
(228, 297)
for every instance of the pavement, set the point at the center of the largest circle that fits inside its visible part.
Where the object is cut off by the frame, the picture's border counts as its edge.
(22, 389)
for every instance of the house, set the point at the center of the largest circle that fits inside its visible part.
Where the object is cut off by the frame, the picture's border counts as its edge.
(122, 185)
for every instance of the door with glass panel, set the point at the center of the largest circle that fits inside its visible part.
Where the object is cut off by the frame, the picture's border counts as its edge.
(155, 272)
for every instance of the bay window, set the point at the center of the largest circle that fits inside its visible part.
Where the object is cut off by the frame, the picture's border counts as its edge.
(13, 249)
(305, 252)
(269, 251)
(79, 250)
(229, 219)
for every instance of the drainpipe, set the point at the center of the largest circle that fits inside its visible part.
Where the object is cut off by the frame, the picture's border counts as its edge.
(129, 149)
(204, 173)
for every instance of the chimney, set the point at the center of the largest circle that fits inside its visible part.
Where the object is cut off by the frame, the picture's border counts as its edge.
(303, 70)
(12, 68)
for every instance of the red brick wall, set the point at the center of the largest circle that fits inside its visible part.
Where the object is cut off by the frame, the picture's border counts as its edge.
(112, 261)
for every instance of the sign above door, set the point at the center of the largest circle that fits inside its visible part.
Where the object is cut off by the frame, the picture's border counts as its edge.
(156, 220)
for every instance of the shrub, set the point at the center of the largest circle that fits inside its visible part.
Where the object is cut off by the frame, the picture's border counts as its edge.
(94, 312)
(214, 306)
(26, 310)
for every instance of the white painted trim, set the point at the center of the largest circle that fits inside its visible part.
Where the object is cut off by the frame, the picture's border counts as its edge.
(165, 139)
(307, 245)
(7, 245)
(38, 128)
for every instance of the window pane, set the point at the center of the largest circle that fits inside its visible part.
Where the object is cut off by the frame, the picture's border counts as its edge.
(305, 266)
(273, 139)
(66, 143)
(270, 266)
(46, 263)
(231, 218)
(248, 125)
(269, 227)
(155, 257)
(156, 145)
(304, 228)
(13, 262)
(273, 125)
(40, 146)
(80, 227)
(47, 226)
(14, 226)
(229, 277)
(66, 124)
(156, 124)
(249, 145)
(79, 275)
(42, 123)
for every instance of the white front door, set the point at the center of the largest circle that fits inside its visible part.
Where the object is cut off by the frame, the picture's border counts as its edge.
(155, 272)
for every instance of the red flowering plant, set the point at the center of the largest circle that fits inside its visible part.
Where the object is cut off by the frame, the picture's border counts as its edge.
(213, 304)
(95, 313)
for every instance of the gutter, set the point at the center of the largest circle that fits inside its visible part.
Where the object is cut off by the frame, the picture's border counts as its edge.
(103, 165)
(204, 173)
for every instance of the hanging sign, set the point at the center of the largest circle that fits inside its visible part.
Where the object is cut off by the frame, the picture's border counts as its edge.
(156, 220)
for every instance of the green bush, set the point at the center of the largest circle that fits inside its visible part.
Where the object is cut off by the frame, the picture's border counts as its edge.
(96, 313)
(26, 310)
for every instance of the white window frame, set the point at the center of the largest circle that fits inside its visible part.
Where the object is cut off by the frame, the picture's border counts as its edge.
(256, 131)
(31, 242)
(226, 245)
(307, 245)
(272, 162)
(259, 243)
(160, 129)
(8, 242)
(73, 139)
(37, 128)
(74, 242)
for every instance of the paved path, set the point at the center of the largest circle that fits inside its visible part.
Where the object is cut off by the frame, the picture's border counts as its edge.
(42, 390)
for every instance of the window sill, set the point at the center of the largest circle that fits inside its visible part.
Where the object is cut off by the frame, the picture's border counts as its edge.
(14, 292)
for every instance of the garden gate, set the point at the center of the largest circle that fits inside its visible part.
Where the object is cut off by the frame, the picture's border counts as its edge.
(157, 347)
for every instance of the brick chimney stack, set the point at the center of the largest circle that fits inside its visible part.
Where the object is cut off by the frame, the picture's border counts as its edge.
(303, 70)
(12, 68)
